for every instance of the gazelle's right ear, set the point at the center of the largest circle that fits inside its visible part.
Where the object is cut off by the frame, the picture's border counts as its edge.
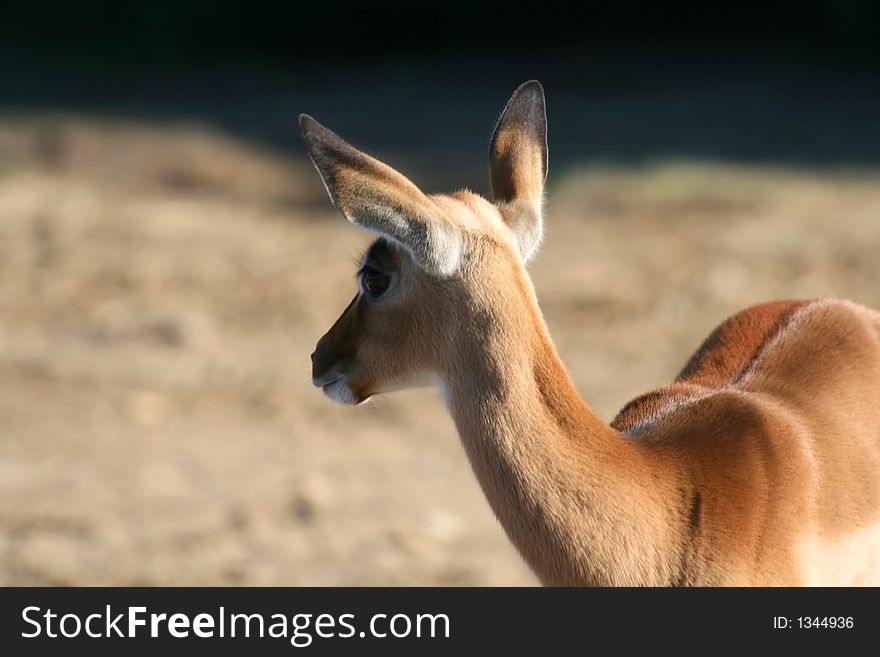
(518, 164)
(374, 196)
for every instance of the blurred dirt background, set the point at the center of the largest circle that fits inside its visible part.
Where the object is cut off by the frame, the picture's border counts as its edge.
(162, 285)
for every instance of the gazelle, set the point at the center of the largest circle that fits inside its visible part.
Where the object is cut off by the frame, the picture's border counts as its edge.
(758, 465)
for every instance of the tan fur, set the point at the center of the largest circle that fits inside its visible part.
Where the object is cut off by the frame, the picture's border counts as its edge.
(760, 464)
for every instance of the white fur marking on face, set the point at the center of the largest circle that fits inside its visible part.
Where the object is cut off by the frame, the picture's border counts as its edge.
(336, 387)
(334, 384)
(340, 392)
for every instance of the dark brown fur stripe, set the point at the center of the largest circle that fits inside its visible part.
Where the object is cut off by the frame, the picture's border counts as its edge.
(733, 347)
(723, 359)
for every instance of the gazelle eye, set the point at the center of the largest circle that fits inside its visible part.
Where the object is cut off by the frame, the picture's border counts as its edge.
(374, 282)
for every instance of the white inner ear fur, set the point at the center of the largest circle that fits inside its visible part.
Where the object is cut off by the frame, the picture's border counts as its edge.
(526, 222)
(436, 245)
(446, 248)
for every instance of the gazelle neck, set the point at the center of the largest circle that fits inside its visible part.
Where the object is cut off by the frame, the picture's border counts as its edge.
(581, 502)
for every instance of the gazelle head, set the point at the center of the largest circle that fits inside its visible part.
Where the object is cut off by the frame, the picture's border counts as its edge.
(442, 264)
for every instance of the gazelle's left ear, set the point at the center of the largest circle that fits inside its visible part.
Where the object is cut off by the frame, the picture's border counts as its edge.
(372, 195)
(518, 164)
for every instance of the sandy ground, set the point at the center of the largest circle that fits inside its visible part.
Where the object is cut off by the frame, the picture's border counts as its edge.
(161, 289)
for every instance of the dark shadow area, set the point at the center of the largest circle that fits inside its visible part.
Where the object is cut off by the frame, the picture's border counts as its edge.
(626, 82)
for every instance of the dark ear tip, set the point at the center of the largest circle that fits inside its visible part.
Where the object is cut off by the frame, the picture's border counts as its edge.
(531, 87)
(529, 93)
(320, 138)
(308, 125)
(526, 105)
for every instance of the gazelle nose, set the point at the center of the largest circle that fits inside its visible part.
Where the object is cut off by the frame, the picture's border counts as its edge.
(322, 361)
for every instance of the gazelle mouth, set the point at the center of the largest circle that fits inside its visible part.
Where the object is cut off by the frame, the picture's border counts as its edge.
(326, 379)
(337, 388)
